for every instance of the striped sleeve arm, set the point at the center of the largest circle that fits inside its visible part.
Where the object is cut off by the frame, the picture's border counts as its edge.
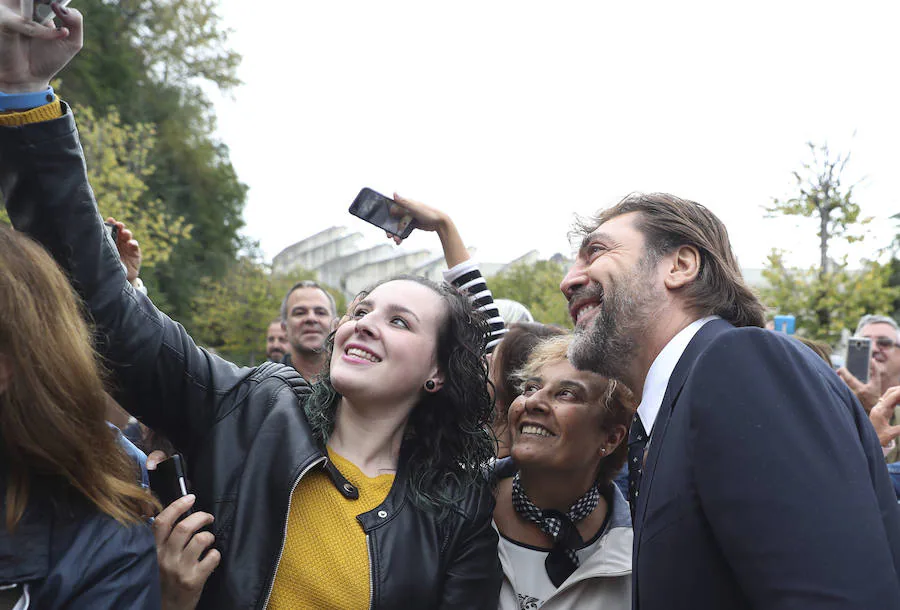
(467, 277)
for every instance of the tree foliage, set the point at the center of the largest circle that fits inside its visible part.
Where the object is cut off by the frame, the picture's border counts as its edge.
(847, 294)
(830, 296)
(823, 197)
(117, 158)
(183, 41)
(894, 279)
(147, 60)
(536, 286)
(231, 315)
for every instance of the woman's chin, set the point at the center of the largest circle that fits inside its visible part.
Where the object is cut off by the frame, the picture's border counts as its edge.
(342, 382)
(525, 455)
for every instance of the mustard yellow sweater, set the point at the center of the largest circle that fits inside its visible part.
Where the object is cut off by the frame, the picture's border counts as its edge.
(325, 563)
(47, 112)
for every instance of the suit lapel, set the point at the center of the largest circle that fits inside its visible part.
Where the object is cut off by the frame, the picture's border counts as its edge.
(677, 380)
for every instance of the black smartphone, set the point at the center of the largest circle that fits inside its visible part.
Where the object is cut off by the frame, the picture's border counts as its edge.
(42, 10)
(375, 208)
(113, 231)
(169, 481)
(859, 353)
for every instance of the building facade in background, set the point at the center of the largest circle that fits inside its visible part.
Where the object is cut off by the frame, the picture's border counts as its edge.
(344, 260)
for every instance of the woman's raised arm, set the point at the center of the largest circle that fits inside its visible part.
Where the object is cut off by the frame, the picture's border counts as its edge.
(160, 373)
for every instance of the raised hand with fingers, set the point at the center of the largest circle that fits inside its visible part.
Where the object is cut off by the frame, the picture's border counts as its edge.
(129, 250)
(33, 53)
(867, 393)
(881, 415)
(432, 219)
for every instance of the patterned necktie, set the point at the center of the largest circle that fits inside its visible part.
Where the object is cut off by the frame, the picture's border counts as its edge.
(637, 442)
(562, 560)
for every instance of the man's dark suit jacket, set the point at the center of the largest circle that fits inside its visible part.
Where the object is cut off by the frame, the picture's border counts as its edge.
(764, 485)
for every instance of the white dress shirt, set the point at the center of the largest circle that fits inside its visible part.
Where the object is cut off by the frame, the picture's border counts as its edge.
(661, 370)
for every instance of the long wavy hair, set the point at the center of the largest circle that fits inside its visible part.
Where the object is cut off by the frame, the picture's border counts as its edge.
(53, 433)
(447, 441)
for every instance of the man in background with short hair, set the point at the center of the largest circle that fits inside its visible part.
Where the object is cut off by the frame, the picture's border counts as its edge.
(276, 341)
(884, 333)
(308, 315)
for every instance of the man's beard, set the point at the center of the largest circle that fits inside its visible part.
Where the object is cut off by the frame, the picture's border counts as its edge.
(610, 342)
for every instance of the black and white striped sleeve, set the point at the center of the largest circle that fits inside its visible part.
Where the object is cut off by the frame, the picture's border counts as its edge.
(467, 277)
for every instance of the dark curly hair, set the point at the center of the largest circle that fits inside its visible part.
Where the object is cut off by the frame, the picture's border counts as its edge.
(447, 441)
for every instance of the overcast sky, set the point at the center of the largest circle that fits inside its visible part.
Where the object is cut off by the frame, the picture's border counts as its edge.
(514, 116)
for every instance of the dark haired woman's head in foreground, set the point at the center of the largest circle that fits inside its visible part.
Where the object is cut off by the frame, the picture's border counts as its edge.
(414, 349)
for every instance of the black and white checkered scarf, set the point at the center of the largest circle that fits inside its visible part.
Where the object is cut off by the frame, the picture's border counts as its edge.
(561, 528)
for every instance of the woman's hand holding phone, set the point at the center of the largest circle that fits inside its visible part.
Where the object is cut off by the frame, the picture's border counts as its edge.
(428, 218)
(179, 547)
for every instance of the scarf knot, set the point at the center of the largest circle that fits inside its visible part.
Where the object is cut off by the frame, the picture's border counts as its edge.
(562, 560)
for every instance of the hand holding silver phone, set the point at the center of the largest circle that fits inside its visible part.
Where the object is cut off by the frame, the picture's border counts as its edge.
(43, 11)
(859, 353)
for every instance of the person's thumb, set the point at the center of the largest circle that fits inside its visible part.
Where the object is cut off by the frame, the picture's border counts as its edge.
(849, 379)
(892, 432)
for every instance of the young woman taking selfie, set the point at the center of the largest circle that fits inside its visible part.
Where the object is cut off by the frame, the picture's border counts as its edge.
(366, 491)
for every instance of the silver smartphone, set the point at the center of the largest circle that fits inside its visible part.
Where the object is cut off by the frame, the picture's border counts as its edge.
(859, 352)
(42, 10)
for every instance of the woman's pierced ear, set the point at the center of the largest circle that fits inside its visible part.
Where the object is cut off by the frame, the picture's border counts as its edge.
(430, 385)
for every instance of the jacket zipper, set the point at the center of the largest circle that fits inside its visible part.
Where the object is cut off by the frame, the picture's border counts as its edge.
(371, 574)
(321, 460)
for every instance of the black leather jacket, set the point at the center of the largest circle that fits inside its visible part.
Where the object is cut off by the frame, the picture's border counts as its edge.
(243, 430)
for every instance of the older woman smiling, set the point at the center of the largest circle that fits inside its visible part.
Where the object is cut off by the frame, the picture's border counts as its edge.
(565, 527)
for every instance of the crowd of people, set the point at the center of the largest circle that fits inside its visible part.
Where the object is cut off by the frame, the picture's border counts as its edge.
(428, 447)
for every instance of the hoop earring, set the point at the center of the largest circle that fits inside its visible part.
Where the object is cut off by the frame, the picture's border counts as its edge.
(430, 385)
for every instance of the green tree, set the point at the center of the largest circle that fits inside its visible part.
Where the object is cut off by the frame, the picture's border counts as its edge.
(117, 158)
(231, 315)
(183, 41)
(830, 296)
(535, 286)
(894, 280)
(147, 60)
(823, 197)
(847, 294)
